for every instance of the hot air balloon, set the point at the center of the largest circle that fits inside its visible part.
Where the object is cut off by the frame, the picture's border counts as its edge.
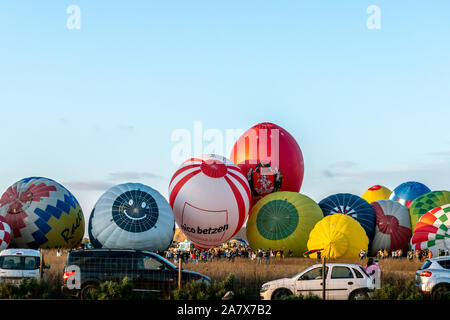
(42, 214)
(282, 220)
(427, 202)
(432, 231)
(210, 198)
(393, 226)
(352, 205)
(375, 193)
(408, 191)
(270, 158)
(5, 233)
(131, 216)
(339, 235)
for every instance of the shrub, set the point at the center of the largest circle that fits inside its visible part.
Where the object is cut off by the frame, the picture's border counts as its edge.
(392, 292)
(309, 296)
(28, 288)
(203, 291)
(110, 290)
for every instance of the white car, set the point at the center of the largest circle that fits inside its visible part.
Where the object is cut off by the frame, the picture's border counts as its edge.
(345, 281)
(16, 264)
(433, 277)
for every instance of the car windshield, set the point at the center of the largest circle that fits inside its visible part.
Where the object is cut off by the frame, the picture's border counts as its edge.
(165, 260)
(19, 262)
(425, 265)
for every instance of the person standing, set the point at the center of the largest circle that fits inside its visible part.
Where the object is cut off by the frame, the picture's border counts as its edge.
(374, 271)
(267, 256)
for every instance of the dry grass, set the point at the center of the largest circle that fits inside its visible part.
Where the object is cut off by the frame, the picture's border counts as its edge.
(250, 275)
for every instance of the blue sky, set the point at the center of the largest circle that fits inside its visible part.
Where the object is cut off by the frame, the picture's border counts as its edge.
(97, 106)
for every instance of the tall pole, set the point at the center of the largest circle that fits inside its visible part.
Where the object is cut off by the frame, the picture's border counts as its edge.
(324, 278)
(180, 264)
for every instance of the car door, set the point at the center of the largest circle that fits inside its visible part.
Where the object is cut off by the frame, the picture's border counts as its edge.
(341, 283)
(31, 267)
(119, 265)
(310, 282)
(154, 275)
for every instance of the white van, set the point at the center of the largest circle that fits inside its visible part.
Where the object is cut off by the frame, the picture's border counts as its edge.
(16, 264)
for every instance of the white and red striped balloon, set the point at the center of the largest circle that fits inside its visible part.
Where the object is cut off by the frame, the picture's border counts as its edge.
(5, 233)
(210, 198)
(393, 226)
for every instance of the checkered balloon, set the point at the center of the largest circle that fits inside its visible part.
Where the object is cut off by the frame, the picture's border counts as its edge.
(5, 234)
(42, 214)
(432, 231)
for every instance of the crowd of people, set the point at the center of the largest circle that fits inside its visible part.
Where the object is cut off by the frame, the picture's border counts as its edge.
(242, 251)
(399, 254)
(261, 256)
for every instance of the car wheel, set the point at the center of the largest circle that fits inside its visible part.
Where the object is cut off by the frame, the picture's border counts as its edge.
(280, 294)
(359, 295)
(87, 291)
(440, 292)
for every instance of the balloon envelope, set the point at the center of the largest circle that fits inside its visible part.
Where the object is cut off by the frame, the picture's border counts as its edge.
(375, 193)
(282, 220)
(432, 231)
(210, 198)
(408, 191)
(42, 214)
(132, 216)
(270, 158)
(5, 233)
(393, 226)
(352, 205)
(339, 235)
(427, 202)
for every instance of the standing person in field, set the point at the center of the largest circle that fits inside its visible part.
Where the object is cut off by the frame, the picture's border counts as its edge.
(267, 255)
(259, 255)
(374, 271)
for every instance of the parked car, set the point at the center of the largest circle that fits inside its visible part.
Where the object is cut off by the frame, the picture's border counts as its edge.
(343, 281)
(17, 264)
(149, 272)
(433, 277)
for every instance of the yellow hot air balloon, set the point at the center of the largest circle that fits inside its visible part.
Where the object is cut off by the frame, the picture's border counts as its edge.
(340, 236)
(282, 220)
(376, 193)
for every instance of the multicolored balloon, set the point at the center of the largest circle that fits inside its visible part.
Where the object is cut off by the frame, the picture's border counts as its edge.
(408, 191)
(375, 193)
(5, 233)
(393, 226)
(352, 205)
(432, 231)
(132, 216)
(339, 235)
(282, 220)
(270, 158)
(210, 198)
(42, 214)
(427, 202)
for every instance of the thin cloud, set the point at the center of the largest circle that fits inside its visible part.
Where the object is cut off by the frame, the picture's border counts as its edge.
(342, 165)
(89, 185)
(439, 153)
(132, 175)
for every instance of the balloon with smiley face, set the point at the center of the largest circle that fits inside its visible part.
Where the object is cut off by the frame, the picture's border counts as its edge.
(131, 216)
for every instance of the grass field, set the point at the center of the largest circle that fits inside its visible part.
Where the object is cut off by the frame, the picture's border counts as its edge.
(250, 275)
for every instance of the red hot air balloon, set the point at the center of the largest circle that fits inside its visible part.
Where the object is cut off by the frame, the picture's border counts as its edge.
(270, 158)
